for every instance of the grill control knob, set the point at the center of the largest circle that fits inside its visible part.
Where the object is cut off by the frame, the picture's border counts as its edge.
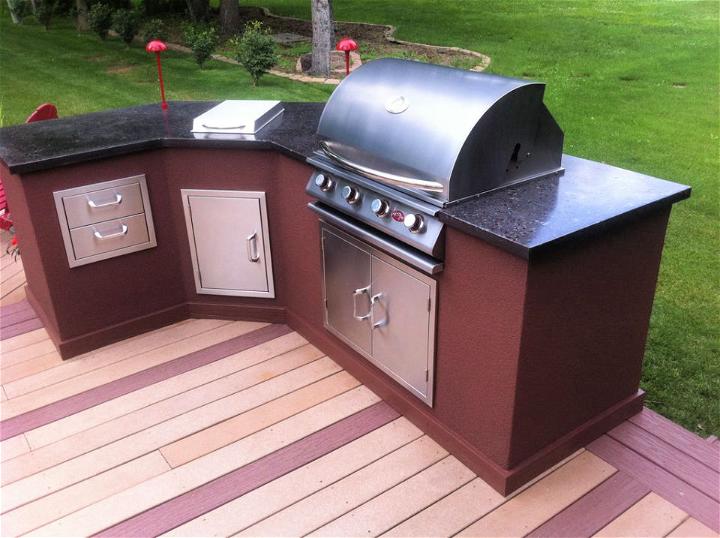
(414, 222)
(324, 183)
(351, 194)
(380, 207)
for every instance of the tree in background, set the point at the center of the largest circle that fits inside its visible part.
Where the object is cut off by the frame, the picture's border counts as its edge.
(198, 9)
(255, 50)
(81, 21)
(323, 39)
(229, 16)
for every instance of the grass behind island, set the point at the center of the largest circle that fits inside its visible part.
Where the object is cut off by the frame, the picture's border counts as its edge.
(632, 83)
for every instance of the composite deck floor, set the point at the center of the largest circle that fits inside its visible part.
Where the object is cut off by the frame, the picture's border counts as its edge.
(218, 428)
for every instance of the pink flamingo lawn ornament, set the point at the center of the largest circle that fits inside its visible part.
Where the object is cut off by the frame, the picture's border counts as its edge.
(346, 45)
(157, 47)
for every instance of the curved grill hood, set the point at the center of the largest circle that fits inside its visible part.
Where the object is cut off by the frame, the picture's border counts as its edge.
(439, 133)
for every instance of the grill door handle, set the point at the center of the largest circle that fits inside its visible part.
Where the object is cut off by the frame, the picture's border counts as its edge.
(392, 179)
(375, 299)
(252, 251)
(358, 292)
(116, 201)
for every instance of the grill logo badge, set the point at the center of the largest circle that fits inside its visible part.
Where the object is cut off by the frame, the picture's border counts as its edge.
(397, 105)
(397, 215)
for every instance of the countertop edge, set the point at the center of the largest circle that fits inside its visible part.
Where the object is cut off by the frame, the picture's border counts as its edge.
(530, 252)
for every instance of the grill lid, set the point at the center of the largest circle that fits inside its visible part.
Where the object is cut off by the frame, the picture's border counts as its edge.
(440, 133)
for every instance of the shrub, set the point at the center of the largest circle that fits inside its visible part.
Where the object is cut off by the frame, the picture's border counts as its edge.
(100, 19)
(152, 8)
(18, 10)
(44, 12)
(202, 40)
(126, 23)
(154, 29)
(255, 50)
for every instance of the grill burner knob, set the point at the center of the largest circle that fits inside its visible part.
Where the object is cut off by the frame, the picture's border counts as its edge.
(380, 207)
(351, 194)
(414, 222)
(324, 183)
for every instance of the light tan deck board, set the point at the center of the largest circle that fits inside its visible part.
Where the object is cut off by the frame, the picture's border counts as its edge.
(15, 282)
(544, 499)
(339, 498)
(650, 516)
(96, 461)
(128, 352)
(168, 388)
(155, 414)
(692, 528)
(122, 368)
(236, 427)
(13, 296)
(29, 367)
(292, 487)
(14, 447)
(23, 340)
(27, 352)
(121, 506)
(68, 500)
(400, 502)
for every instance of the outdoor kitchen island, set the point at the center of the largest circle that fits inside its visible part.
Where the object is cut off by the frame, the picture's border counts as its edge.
(543, 300)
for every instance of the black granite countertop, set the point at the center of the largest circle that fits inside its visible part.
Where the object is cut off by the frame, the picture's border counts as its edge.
(48, 144)
(525, 219)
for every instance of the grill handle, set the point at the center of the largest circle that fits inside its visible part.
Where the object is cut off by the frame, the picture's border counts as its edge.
(392, 179)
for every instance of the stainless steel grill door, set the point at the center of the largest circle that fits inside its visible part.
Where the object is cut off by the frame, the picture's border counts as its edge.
(347, 290)
(401, 323)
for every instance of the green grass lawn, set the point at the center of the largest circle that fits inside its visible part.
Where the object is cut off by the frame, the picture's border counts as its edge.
(632, 83)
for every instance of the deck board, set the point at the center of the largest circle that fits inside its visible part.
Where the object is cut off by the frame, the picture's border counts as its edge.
(350, 492)
(650, 516)
(138, 499)
(203, 428)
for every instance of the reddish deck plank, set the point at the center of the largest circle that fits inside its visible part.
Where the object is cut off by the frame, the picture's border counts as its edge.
(596, 509)
(203, 499)
(685, 467)
(14, 308)
(679, 437)
(7, 320)
(97, 395)
(20, 328)
(662, 482)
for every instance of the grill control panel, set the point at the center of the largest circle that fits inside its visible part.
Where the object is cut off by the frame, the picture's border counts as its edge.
(409, 224)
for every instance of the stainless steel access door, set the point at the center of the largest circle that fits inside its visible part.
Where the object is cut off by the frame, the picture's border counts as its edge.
(401, 325)
(347, 290)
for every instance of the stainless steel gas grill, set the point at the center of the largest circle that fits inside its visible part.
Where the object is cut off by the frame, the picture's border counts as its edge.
(400, 141)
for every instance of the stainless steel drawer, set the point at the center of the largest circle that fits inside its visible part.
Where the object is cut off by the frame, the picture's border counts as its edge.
(101, 205)
(108, 236)
(104, 220)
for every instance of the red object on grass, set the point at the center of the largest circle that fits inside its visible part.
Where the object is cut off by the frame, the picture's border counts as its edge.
(346, 45)
(46, 111)
(157, 47)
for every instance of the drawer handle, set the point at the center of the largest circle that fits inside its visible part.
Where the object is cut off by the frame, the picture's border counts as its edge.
(122, 232)
(358, 292)
(373, 301)
(252, 251)
(117, 201)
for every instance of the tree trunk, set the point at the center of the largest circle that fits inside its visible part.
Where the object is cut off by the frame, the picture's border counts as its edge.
(82, 13)
(33, 5)
(198, 9)
(323, 36)
(13, 15)
(229, 16)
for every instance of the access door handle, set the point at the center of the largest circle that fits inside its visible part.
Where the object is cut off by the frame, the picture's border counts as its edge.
(356, 294)
(117, 201)
(375, 299)
(252, 250)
